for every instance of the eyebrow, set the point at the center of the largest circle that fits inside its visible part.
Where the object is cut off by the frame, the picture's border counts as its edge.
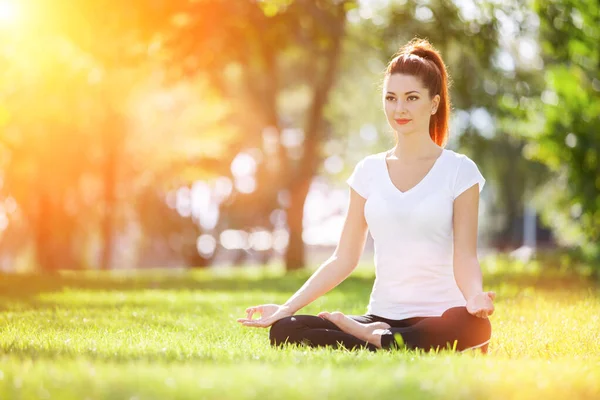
(412, 91)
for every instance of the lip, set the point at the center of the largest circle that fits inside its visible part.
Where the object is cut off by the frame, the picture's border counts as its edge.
(402, 121)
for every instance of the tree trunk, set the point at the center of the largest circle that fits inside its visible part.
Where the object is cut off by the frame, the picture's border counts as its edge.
(44, 242)
(294, 254)
(109, 177)
(299, 183)
(53, 231)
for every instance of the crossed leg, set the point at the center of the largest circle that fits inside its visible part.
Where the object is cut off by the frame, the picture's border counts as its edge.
(368, 332)
(315, 331)
(455, 327)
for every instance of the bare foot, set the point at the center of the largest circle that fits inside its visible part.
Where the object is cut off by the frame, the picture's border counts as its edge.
(368, 332)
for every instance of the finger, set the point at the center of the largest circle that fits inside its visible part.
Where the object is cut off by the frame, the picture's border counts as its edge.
(253, 311)
(255, 324)
(264, 323)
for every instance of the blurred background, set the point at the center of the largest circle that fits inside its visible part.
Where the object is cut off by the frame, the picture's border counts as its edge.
(208, 133)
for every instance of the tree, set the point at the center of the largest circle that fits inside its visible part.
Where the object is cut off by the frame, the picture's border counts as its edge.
(274, 47)
(569, 143)
(46, 129)
(69, 139)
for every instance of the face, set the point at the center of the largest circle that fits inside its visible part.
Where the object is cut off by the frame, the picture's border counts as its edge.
(407, 105)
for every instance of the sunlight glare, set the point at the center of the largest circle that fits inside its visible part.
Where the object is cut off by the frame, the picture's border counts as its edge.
(9, 12)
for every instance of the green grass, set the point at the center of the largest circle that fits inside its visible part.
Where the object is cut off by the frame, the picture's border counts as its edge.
(160, 334)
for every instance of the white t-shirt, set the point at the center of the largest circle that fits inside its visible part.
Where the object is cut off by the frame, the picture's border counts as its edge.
(413, 234)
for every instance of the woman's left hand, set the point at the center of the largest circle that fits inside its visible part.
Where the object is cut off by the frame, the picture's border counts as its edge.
(481, 305)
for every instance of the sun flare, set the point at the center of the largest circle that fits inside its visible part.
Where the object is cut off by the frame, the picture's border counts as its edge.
(9, 12)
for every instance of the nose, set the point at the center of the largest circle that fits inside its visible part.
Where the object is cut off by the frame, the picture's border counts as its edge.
(400, 108)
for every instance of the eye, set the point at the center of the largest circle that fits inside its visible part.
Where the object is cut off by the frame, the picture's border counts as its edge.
(389, 98)
(413, 97)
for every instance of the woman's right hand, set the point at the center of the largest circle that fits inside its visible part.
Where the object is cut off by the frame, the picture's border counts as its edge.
(269, 314)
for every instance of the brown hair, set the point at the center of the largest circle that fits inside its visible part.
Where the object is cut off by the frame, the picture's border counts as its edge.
(420, 59)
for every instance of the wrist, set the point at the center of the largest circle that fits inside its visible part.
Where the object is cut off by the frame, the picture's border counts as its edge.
(289, 309)
(474, 295)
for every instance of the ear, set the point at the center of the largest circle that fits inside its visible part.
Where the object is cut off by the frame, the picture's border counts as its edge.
(435, 102)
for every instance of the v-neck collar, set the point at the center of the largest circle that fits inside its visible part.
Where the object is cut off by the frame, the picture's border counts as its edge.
(388, 178)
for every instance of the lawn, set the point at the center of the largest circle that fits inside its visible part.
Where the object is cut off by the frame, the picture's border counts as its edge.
(173, 334)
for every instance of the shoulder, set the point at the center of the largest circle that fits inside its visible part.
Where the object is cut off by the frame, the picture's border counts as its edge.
(456, 156)
(459, 160)
(466, 173)
(361, 179)
(370, 161)
(373, 159)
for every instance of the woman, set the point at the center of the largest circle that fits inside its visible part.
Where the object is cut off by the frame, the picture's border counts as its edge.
(420, 202)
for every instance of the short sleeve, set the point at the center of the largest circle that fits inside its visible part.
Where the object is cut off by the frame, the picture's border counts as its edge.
(467, 175)
(359, 179)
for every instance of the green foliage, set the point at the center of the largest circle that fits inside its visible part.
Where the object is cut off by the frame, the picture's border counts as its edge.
(570, 142)
(273, 7)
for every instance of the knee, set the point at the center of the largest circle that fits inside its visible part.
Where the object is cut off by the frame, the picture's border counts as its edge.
(281, 330)
(478, 328)
(483, 328)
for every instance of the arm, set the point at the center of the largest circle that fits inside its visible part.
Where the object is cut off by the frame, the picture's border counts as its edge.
(467, 271)
(343, 261)
(330, 273)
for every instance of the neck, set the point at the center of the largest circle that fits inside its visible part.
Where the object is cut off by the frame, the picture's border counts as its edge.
(413, 147)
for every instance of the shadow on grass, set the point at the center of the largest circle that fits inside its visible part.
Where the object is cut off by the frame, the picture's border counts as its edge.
(172, 358)
(35, 354)
(185, 309)
(25, 288)
(32, 284)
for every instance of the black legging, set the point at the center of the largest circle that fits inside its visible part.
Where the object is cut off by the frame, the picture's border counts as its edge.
(427, 333)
